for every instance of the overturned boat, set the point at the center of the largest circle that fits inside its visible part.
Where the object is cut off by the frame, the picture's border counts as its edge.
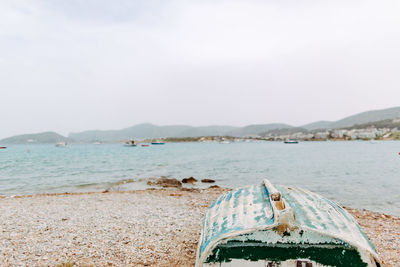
(264, 225)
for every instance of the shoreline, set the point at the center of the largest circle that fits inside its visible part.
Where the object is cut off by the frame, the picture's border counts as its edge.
(151, 227)
(185, 187)
(197, 140)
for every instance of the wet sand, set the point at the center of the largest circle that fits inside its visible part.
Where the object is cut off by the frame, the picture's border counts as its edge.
(133, 228)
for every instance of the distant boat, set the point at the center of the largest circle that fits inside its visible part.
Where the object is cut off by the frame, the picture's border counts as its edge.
(145, 145)
(225, 142)
(130, 143)
(61, 144)
(3, 147)
(157, 143)
(291, 141)
(96, 143)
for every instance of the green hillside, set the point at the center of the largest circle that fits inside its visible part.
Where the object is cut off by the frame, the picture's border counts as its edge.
(38, 138)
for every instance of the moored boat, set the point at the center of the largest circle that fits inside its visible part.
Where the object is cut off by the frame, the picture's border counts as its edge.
(158, 143)
(266, 225)
(3, 147)
(61, 144)
(291, 141)
(130, 143)
(145, 145)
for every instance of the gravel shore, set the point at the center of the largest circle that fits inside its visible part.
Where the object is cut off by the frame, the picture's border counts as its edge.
(133, 228)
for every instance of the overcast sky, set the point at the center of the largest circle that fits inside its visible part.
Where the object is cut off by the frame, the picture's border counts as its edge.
(69, 66)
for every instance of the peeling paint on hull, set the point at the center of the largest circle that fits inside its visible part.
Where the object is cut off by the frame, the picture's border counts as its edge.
(260, 223)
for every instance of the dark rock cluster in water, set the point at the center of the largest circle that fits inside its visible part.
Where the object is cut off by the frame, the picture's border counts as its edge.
(190, 180)
(166, 182)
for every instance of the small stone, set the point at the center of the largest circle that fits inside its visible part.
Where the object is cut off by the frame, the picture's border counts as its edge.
(208, 181)
(190, 180)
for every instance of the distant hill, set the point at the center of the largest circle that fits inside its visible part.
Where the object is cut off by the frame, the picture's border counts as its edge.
(148, 130)
(285, 131)
(145, 130)
(207, 131)
(38, 138)
(317, 125)
(368, 116)
(256, 129)
(390, 123)
(360, 118)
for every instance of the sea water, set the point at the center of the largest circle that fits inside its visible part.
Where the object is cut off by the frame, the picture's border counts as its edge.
(357, 174)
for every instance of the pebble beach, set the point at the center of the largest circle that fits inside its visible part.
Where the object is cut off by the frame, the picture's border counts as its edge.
(153, 227)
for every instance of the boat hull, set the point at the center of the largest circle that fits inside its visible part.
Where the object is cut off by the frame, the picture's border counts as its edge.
(264, 225)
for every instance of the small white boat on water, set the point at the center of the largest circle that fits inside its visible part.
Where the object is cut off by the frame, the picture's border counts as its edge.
(130, 143)
(61, 144)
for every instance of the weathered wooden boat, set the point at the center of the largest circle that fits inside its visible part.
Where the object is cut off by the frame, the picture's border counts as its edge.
(264, 225)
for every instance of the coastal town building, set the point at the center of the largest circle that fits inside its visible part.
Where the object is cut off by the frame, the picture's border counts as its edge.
(336, 134)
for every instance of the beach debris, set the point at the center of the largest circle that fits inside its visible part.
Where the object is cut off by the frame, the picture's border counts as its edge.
(166, 182)
(208, 181)
(190, 180)
(121, 182)
(115, 186)
(175, 195)
(190, 189)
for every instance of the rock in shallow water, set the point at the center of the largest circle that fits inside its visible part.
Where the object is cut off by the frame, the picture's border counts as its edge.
(190, 180)
(166, 182)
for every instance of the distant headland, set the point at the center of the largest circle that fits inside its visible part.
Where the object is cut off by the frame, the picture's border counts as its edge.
(375, 124)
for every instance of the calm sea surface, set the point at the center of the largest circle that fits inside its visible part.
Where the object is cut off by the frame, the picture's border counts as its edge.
(356, 174)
